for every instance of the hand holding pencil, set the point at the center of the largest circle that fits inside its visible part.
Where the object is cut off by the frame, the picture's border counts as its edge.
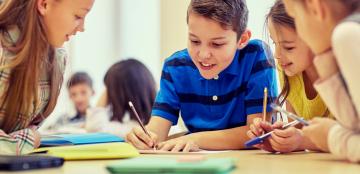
(140, 137)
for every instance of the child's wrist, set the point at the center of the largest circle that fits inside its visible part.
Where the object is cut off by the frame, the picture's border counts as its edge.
(326, 65)
(194, 137)
(303, 142)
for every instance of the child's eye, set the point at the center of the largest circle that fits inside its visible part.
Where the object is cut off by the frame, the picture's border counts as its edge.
(289, 48)
(78, 17)
(217, 44)
(195, 42)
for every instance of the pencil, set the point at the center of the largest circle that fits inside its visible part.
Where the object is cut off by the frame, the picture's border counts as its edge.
(265, 103)
(139, 120)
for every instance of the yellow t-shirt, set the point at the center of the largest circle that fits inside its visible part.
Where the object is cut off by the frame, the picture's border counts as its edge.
(303, 106)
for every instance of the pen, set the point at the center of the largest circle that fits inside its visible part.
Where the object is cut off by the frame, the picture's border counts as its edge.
(289, 114)
(261, 138)
(139, 120)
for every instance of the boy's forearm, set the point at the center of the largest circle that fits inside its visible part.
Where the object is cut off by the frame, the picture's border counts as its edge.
(228, 139)
(160, 127)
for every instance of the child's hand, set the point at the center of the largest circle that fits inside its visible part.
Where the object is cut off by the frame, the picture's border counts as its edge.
(183, 144)
(318, 131)
(257, 128)
(138, 138)
(37, 137)
(286, 140)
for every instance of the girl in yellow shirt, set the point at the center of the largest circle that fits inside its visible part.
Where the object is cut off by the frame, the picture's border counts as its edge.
(297, 74)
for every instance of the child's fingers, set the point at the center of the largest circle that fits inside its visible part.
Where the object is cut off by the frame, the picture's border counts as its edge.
(257, 121)
(286, 133)
(276, 145)
(255, 130)
(266, 147)
(250, 134)
(266, 126)
(188, 147)
(278, 139)
(37, 137)
(154, 138)
(134, 140)
(167, 146)
(139, 132)
(178, 147)
(277, 125)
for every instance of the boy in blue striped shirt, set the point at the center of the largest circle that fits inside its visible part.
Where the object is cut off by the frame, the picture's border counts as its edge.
(216, 84)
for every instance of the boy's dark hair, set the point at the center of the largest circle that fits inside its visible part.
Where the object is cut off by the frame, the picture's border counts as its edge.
(130, 80)
(80, 78)
(229, 13)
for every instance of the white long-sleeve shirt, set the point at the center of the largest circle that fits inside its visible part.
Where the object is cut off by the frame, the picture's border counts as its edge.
(98, 120)
(341, 91)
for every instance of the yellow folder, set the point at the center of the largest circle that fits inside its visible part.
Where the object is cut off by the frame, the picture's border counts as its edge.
(91, 151)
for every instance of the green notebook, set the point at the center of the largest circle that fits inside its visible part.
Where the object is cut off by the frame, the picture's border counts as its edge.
(167, 165)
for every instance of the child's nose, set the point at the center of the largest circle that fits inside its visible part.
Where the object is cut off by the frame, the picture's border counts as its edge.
(277, 54)
(204, 54)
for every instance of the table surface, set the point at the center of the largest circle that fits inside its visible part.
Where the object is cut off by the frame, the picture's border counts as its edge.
(247, 161)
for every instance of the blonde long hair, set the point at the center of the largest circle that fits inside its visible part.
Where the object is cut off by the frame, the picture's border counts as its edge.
(32, 55)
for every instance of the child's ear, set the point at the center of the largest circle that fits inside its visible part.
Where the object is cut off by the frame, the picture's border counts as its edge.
(42, 6)
(316, 8)
(244, 39)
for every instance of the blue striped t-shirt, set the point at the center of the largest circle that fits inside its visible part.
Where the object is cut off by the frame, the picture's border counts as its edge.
(220, 103)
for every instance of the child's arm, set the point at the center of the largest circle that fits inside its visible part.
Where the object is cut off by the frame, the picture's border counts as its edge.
(333, 86)
(228, 139)
(19, 142)
(317, 132)
(160, 127)
(339, 137)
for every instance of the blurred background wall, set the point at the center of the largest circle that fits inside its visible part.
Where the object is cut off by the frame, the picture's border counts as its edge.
(148, 30)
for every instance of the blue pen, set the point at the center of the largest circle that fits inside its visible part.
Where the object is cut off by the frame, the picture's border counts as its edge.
(260, 139)
(289, 114)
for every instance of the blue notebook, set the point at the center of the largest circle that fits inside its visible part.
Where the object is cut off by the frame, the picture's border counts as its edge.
(78, 139)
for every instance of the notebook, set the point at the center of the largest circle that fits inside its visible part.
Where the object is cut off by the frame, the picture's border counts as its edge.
(168, 165)
(91, 151)
(78, 139)
(161, 152)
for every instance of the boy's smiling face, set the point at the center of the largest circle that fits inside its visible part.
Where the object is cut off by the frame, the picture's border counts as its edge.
(212, 47)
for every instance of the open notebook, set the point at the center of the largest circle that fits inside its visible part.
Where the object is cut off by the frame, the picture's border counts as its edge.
(91, 151)
(78, 139)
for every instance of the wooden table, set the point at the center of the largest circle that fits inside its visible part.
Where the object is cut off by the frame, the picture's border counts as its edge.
(248, 161)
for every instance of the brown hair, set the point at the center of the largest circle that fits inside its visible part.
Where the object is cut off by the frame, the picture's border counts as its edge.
(229, 13)
(130, 80)
(351, 5)
(80, 78)
(278, 15)
(33, 55)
